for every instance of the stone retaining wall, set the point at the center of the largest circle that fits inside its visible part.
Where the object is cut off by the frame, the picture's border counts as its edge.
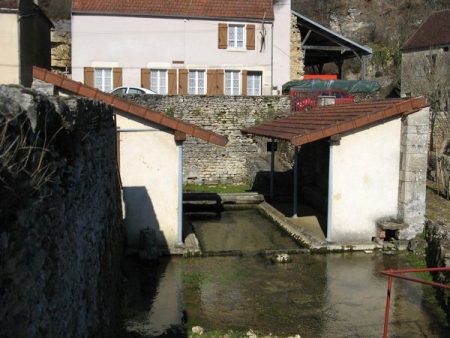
(438, 255)
(60, 217)
(204, 163)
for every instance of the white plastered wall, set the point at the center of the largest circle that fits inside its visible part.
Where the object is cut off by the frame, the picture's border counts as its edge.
(364, 182)
(132, 43)
(9, 57)
(281, 44)
(149, 173)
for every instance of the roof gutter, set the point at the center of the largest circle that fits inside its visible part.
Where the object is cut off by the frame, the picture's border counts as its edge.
(181, 17)
(147, 114)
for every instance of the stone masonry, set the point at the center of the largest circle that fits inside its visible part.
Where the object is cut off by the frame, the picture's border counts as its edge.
(60, 217)
(204, 163)
(413, 172)
(297, 67)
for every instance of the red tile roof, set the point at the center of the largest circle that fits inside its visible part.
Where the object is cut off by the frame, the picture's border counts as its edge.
(223, 9)
(133, 109)
(329, 121)
(434, 31)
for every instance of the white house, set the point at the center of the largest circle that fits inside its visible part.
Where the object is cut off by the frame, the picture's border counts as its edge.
(365, 163)
(150, 153)
(201, 47)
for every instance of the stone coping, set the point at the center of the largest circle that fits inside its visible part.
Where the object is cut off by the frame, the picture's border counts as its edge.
(309, 241)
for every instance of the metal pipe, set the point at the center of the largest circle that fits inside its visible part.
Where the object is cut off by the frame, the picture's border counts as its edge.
(271, 62)
(295, 182)
(180, 194)
(388, 305)
(395, 273)
(330, 193)
(272, 167)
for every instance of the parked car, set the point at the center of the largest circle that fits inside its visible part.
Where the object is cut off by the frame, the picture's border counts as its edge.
(306, 100)
(132, 90)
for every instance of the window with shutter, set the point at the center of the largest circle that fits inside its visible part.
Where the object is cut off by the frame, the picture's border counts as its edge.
(254, 83)
(89, 76)
(103, 79)
(214, 82)
(183, 81)
(236, 36)
(158, 81)
(145, 78)
(223, 36)
(232, 83)
(172, 82)
(250, 32)
(117, 77)
(197, 82)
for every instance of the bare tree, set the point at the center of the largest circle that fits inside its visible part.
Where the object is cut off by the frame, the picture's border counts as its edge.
(427, 73)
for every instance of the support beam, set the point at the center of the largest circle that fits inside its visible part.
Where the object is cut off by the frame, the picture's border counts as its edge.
(180, 193)
(272, 168)
(295, 187)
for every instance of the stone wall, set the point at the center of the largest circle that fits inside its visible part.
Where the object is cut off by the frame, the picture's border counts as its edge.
(204, 163)
(438, 255)
(413, 172)
(297, 67)
(60, 217)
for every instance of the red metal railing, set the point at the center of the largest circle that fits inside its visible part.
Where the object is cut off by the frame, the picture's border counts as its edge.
(396, 274)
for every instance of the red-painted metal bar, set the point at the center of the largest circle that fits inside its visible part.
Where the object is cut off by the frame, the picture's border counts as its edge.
(396, 273)
(388, 304)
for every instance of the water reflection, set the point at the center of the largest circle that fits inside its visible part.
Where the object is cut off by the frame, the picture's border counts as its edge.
(334, 295)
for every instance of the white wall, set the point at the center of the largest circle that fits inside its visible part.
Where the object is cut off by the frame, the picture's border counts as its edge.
(9, 57)
(281, 44)
(149, 172)
(133, 43)
(365, 182)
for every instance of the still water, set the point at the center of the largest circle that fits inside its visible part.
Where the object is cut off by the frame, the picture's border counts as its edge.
(315, 295)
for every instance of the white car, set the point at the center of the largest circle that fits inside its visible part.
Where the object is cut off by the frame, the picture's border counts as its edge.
(132, 90)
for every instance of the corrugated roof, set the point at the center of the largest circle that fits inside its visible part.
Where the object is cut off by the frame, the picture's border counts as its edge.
(322, 45)
(434, 31)
(234, 9)
(333, 120)
(133, 109)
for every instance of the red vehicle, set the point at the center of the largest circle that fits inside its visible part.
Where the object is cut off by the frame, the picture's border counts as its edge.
(305, 100)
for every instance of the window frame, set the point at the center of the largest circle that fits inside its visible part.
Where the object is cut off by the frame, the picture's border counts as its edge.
(250, 77)
(196, 88)
(233, 32)
(103, 86)
(235, 75)
(156, 85)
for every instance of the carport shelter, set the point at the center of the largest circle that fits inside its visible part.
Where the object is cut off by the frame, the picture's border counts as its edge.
(150, 156)
(368, 159)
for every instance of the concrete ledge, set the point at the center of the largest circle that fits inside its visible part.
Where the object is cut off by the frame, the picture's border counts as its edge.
(300, 234)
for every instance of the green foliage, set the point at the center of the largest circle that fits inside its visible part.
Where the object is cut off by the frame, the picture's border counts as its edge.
(417, 261)
(270, 111)
(385, 56)
(170, 112)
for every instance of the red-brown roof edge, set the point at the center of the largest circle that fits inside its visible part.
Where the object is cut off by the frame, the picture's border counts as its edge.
(304, 128)
(147, 114)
